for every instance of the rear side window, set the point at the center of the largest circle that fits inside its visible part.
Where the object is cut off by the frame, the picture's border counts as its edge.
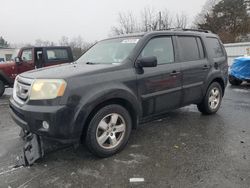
(215, 47)
(189, 48)
(57, 54)
(161, 48)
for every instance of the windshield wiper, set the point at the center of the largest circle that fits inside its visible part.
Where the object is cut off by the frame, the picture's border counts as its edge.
(91, 63)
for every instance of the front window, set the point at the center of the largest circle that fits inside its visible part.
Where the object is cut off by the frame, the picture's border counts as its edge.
(109, 51)
(162, 48)
(27, 55)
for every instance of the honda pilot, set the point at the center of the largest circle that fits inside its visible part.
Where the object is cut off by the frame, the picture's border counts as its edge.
(119, 83)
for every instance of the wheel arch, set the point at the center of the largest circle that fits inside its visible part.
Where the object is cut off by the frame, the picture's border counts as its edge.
(123, 98)
(216, 78)
(5, 79)
(220, 81)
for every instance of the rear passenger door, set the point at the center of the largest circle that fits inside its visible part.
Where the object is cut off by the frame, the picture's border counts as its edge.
(194, 67)
(160, 87)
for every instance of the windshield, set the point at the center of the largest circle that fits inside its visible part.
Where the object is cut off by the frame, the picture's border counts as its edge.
(109, 51)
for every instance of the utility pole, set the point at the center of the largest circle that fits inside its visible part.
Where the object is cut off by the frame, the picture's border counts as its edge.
(160, 22)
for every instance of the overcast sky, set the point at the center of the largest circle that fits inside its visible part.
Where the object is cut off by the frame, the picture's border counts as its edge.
(24, 21)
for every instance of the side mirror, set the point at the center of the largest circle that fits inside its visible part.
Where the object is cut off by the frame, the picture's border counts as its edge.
(147, 62)
(17, 60)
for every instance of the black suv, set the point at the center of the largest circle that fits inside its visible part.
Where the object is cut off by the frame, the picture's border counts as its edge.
(119, 83)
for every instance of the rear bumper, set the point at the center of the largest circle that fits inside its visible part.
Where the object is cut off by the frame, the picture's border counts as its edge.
(59, 118)
(242, 78)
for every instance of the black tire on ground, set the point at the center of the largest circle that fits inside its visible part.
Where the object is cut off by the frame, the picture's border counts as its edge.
(2, 88)
(105, 115)
(234, 81)
(207, 106)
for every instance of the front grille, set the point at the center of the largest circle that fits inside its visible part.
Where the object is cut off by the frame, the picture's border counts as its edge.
(21, 90)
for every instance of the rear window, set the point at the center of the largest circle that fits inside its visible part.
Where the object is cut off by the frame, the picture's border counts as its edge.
(57, 54)
(215, 47)
(189, 48)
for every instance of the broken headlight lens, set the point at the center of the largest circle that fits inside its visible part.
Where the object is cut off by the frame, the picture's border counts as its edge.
(47, 89)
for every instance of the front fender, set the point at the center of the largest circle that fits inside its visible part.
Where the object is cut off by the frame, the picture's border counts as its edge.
(94, 98)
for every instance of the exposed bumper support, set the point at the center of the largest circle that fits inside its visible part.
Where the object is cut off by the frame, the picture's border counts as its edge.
(35, 148)
(32, 150)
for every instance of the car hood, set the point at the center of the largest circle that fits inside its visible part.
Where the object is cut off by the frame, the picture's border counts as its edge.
(64, 71)
(6, 64)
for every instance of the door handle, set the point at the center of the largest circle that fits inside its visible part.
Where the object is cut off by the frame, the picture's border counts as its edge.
(205, 67)
(174, 73)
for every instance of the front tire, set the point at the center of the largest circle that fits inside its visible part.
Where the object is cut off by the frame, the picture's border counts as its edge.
(234, 81)
(212, 100)
(2, 88)
(108, 131)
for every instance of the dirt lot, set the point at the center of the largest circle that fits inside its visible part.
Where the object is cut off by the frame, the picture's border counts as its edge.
(185, 149)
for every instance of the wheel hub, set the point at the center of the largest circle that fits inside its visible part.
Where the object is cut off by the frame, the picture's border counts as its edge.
(110, 131)
(214, 98)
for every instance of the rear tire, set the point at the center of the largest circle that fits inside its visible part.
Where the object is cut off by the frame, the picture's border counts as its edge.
(234, 81)
(108, 131)
(212, 100)
(2, 88)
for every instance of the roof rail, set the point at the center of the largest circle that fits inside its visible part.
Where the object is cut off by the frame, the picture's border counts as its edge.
(184, 29)
(198, 30)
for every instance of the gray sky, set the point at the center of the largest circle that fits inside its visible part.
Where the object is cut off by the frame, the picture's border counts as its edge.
(24, 21)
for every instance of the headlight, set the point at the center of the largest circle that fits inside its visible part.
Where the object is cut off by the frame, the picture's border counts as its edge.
(47, 89)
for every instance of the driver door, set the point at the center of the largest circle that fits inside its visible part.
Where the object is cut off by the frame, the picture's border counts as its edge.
(27, 61)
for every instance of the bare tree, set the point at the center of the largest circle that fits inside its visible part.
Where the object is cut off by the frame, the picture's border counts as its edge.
(149, 20)
(77, 44)
(64, 41)
(166, 20)
(181, 21)
(127, 24)
(153, 20)
(40, 42)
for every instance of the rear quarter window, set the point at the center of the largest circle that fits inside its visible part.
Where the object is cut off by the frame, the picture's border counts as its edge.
(215, 47)
(57, 54)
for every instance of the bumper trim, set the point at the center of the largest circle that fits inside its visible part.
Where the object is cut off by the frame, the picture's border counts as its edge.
(18, 120)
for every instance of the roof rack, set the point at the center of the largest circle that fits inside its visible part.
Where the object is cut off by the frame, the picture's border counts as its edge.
(182, 29)
(198, 30)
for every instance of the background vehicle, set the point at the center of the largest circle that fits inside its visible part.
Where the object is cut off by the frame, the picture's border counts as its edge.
(118, 83)
(240, 71)
(31, 58)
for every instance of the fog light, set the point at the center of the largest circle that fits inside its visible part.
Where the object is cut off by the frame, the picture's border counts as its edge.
(45, 125)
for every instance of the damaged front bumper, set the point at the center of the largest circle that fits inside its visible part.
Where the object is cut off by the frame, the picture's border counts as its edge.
(35, 148)
(32, 150)
(59, 119)
(39, 139)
